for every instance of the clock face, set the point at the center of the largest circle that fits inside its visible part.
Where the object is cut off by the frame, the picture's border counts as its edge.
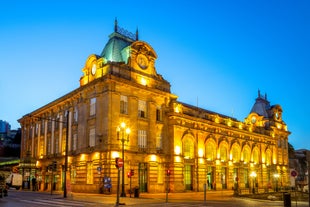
(253, 120)
(142, 61)
(277, 115)
(93, 69)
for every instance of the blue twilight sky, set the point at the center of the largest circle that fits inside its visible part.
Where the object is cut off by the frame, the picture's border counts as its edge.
(216, 54)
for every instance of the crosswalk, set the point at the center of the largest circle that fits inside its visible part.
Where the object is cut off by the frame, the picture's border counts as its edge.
(58, 202)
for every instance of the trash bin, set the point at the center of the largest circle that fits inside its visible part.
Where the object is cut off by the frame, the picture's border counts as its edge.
(287, 199)
(136, 192)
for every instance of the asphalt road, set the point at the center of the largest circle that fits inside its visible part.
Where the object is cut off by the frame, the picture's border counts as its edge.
(214, 199)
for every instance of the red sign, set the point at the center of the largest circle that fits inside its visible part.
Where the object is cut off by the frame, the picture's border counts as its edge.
(120, 162)
(294, 173)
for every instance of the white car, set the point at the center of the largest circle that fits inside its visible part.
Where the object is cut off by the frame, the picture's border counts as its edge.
(306, 188)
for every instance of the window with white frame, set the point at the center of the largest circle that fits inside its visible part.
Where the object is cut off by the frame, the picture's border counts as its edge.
(92, 137)
(92, 110)
(142, 139)
(124, 105)
(142, 109)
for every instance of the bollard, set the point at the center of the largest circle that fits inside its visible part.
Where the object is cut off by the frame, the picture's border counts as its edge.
(287, 199)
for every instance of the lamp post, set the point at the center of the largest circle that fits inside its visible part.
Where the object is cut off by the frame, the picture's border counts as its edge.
(253, 176)
(66, 156)
(276, 176)
(123, 135)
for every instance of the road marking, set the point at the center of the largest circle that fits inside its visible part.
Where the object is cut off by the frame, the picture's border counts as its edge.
(58, 202)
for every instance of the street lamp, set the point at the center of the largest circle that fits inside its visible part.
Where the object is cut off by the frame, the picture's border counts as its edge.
(253, 176)
(276, 176)
(123, 136)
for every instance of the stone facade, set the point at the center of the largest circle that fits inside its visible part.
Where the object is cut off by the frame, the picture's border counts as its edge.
(122, 104)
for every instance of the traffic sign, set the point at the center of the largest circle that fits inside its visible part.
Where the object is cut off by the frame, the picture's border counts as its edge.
(120, 162)
(294, 173)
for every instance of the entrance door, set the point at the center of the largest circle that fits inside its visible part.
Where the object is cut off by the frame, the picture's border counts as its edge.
(143, 177)
(188, 179)
(223, 178)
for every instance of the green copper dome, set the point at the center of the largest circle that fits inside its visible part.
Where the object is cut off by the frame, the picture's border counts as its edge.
(117, 48)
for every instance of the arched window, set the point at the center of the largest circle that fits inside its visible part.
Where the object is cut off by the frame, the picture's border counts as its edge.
(235, 152)
(223, 152)
(210, 150)
(246, 154)
(268, 157)
(188, 148)
(256, 156)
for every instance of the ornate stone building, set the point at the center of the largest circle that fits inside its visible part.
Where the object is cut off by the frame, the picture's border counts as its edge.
(123, 104)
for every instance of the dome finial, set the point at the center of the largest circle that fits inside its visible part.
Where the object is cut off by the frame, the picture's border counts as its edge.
(115, 25)
(137, 34)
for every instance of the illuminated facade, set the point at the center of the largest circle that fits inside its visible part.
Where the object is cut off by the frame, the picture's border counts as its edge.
(121, 87)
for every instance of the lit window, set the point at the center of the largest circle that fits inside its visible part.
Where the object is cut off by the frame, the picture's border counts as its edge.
(92, 110)
(142, 139)
(223, 153)
(188, 148)
(124, 105)
(142, 109)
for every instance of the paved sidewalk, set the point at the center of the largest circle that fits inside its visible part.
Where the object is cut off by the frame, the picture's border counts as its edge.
(145, 198)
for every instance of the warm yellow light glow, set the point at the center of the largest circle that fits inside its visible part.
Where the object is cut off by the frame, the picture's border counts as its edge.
(96, 156)
(177, 159)
(201, 160)
(127, 131)
(240, 126)
(177, 108)
(153, 158)
(143, 81)
(83, 157)
(253, 174)
(230, 156)
(276, 175)
(123, 125)
(200, 153)
(177, 150)
(229, 123)
(217, 162)
(114, 154)
(217, 120)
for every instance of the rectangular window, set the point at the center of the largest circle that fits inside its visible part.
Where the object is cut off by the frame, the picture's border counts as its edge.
(142, 139)
(92, 110)
(159, 141)
(92, 137)
(142, 109)
(75, 114)
(124, 105)
(158, 114)
(74, 142)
